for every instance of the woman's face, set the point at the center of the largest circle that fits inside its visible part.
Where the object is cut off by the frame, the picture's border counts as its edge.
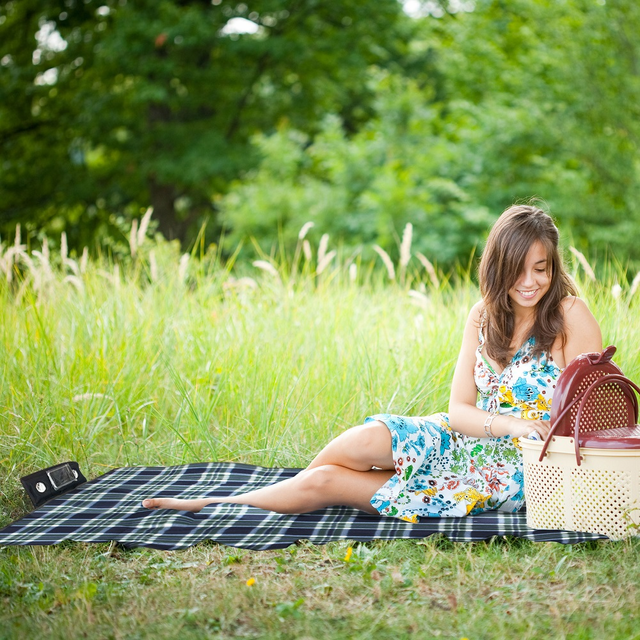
(534, 281)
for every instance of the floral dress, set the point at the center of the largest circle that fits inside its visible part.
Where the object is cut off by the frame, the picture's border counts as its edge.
(440, 472)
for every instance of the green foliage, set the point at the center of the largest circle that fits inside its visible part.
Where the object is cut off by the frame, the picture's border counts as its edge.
(348, 114)
(165, 358)
(362, 189)
(546, 103)
(496, 105)
(419, 588)
(185, 361)
(155, 102)
(158, 359)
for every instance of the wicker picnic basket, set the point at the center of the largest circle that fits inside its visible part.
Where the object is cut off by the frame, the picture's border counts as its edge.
(586, 475)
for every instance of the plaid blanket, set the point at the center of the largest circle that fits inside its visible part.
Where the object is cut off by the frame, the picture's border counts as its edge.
(109, 508)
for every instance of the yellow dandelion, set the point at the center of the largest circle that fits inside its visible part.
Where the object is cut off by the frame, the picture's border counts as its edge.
(251, 582)
(347, 556)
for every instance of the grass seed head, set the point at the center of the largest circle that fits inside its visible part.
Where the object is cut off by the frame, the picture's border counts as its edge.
(73, 265)
(246, 283)
(584, 263)
(322, 247)
(45, 250)
(6, 264)
(144, 225)
(405, 246)
(264, 265)
(430, 269)
(305, 229)
(391, 271)
(306, 249)
(75, 281)
(133, 238)
(324, 263)
(183, 266)
(26, 259)
(44, 273)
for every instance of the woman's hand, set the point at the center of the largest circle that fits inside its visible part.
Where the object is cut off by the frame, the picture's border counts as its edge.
(519, 428)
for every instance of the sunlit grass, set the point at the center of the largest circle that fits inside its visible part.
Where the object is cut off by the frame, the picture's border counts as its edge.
(162, 359)
(207, 365)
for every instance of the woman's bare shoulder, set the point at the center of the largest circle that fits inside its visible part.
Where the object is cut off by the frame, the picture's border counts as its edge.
(581, 328)
(476, 312)
(575, 309)
(471, 328)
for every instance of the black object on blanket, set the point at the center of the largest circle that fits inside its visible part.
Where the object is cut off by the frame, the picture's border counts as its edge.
(46, 484)
(109, 508)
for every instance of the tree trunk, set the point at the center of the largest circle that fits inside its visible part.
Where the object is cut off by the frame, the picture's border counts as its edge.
(163, 197)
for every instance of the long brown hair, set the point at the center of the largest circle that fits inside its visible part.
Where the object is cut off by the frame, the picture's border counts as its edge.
(508, 244)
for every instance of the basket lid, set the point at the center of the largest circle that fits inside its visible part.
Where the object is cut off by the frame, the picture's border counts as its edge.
(619, 438)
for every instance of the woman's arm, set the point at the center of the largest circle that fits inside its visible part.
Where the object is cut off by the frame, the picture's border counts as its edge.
(464, 416)
(581, 329)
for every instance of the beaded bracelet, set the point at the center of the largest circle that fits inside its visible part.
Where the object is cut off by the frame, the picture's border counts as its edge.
(487, 425)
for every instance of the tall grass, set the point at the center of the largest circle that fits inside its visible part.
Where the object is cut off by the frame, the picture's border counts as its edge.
(161, 358)
(126, 373)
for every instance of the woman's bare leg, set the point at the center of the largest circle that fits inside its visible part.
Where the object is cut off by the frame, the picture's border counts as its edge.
(359, 448)
(344, 477)
(311, 489)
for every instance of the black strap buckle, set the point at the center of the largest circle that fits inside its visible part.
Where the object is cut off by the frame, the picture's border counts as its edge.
(49, 483)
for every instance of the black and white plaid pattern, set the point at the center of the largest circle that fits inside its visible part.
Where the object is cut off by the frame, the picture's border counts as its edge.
(109, 508)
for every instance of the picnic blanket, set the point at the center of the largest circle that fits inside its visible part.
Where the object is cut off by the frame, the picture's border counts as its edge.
(109, 509)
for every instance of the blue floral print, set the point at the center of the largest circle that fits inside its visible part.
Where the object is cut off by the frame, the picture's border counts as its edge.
(523, 390)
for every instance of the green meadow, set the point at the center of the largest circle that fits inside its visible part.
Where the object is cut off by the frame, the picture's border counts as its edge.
(150, 357)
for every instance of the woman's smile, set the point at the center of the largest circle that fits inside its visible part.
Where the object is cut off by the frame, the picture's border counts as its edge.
(534, 281)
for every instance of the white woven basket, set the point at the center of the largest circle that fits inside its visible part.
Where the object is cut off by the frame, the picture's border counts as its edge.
(602, 495)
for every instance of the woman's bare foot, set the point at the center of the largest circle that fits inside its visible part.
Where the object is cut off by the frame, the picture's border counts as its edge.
(177, 504)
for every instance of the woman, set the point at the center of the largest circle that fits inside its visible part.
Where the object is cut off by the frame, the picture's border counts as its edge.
(517, 340)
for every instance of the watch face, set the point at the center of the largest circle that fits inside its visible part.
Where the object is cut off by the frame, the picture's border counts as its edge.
(61, 476)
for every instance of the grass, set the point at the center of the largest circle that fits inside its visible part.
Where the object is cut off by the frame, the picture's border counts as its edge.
(161, 364)
(504, 588)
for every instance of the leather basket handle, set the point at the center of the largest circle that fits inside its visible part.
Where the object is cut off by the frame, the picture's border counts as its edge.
(582, 398)
(563, 413)
(601, 357)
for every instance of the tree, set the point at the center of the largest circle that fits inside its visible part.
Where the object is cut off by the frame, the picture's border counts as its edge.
(362, 189)
(496, 104)
(155, 102)
(544, 99)
(37, 119)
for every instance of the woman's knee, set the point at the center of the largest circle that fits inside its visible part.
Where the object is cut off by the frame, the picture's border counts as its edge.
(320, 479)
